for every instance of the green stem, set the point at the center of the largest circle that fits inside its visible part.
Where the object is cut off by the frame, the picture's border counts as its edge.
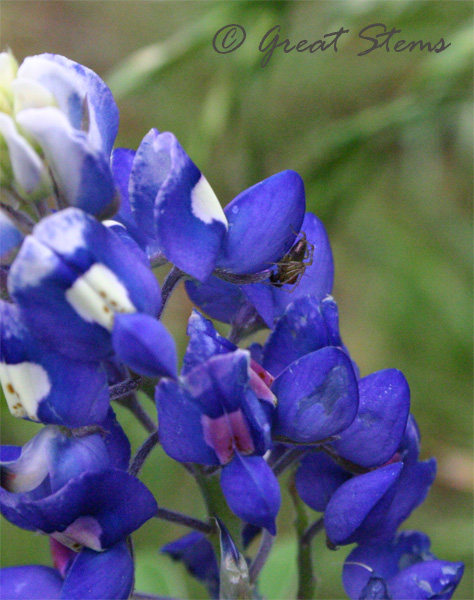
(306, 578)
(217, 506)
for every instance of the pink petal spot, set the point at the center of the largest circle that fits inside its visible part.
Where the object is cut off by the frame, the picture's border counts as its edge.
(260, 382)
(61, 555)
(227, 433)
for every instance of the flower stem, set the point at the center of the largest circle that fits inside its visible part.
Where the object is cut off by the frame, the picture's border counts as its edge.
(306, 578)
(261, 557)
(133, 405)
(312, 530)
(124, 387)
(287, 459)
(217, 507)
(142, 453)
(170, 282)
(182, 519)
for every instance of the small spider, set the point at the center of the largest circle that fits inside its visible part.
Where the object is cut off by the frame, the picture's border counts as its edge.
(291, 268)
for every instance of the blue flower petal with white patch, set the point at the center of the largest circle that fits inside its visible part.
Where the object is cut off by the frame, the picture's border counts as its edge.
(173, 203)
(71, 277)
(72, 117)
(42, 385)
(75, 488)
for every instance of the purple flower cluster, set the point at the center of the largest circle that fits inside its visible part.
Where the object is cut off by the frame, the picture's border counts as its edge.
(80, 328)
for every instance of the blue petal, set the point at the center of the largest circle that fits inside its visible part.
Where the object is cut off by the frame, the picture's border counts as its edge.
(260, 296)
(234, 418)
(179, 425)
(252, 491)
(46, 386)
(94, 509)
(84, 179)
(344, 517)
(376, 432)
(121, 163)
(145, 345)
(411, 490)
(188, 221)
(405, 563)
(431, 579)
(150, 168)
(317, 478)
(99, 575)
(34, 582)
(204, 342)
(301, 330)
(10, 236)
(70, 279)
(263, 223)
(219, 299)
(317, 396)
(219, 385)
(196, 552)
(73, 84)
(318, 277)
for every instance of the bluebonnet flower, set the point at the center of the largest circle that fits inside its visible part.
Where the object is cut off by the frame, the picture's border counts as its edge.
(212, 417)
(86, 575)
(169, 204)
(72, 276)
(399, 569)
(231, 303)
(75, 489)
(385, 496)
(58, 121)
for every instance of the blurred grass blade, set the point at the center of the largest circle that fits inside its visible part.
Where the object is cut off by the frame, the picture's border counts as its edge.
(141, 67)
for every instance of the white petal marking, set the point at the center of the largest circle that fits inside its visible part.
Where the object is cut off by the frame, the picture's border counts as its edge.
(98, 294)
(205, 205)
(25, 385)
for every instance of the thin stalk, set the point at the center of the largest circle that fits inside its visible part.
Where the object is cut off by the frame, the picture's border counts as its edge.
(242, 279)
(124, 388)
(290, 457)
(306, 578)
(19, 218)
(142, 453)
(312, 530)
(140, 596)
(182, 519)
(170, 282)
(133, 405)
(261, 557)
(217, 506)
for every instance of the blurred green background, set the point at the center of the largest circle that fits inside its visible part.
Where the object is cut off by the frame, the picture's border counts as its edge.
(384, 145)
